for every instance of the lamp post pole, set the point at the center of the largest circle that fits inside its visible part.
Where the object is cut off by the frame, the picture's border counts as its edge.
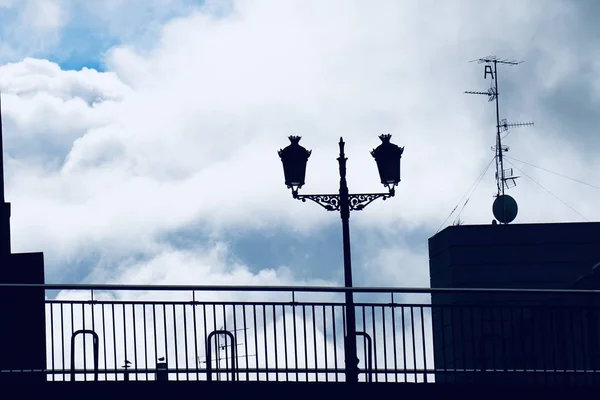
(350, 352)
(387, 155)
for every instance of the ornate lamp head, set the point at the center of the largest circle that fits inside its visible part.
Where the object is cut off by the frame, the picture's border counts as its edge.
(388, 155)
(294, 158)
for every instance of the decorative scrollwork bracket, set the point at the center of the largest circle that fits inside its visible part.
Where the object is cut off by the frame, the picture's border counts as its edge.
(330, 202)
(356, 202)
(360, 201)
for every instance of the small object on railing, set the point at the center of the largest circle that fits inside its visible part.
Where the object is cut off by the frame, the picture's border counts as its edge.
(126, 367)
(95, 346)
(161, 370)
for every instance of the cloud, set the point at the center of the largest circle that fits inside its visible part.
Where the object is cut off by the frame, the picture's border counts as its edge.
(181, 133)
(44, 15)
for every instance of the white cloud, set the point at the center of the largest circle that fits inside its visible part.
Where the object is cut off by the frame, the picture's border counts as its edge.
(183, 132)
(44, 15)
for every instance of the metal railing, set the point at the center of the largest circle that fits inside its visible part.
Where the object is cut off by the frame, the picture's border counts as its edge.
(229, 333)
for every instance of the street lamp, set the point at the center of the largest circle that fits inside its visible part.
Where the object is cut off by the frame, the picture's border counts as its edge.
(387, 155)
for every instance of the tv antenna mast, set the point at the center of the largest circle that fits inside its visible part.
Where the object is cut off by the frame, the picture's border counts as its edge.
(505, 207)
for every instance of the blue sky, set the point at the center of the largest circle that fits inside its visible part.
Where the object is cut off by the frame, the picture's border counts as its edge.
(161, 166)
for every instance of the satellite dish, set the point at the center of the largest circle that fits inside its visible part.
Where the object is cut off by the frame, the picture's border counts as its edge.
(505, 209)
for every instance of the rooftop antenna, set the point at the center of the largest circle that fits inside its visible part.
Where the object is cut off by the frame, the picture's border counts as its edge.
(505, 207)
(5, 207)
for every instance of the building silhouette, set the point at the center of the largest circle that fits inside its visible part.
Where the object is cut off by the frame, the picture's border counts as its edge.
(516, 331)
(23, 331)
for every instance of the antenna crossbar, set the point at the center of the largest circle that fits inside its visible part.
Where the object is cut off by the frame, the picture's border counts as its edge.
(494, 59)
(505, 125)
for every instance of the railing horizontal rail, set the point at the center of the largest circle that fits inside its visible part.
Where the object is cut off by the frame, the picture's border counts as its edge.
(296, 289)
(310, 302)
(300, 370)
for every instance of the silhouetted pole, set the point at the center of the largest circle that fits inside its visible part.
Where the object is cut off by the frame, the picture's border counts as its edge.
(4, 206)
(350, 339)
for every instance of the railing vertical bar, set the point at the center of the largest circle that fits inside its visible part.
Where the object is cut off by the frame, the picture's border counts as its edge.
(305, 341)
(155, 341)
(135, 357)
(165, 329)
(225, 347)
(325, 353)
(62, 335)
(52, 338)
(395, 352)
(93, 329)
(424, 345)
(217, 355)
(414, 344)
(335, 357)
(234, 348)
(72, 331)
(404, 344)
(124, 307)
(374, 327)
(344, 337)
(175, 342)
(344, 319)
(114, 324)
(206, 355)
(83, 338)
(295, 341)
(285, 345)
(245, 339)
(385, 363)
(104, 341)
(264, 312)
(185, 340)
(275, 342)
(145, 341)
(195, 336)
(255, 340)
(314, 323)
(365, 342)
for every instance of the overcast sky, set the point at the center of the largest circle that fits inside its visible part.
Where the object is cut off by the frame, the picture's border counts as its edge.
(141, 136)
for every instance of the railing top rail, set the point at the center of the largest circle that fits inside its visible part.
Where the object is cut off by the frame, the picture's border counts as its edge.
(313, 289)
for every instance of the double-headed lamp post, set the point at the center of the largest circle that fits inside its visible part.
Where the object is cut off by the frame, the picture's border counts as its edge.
(387, 155)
